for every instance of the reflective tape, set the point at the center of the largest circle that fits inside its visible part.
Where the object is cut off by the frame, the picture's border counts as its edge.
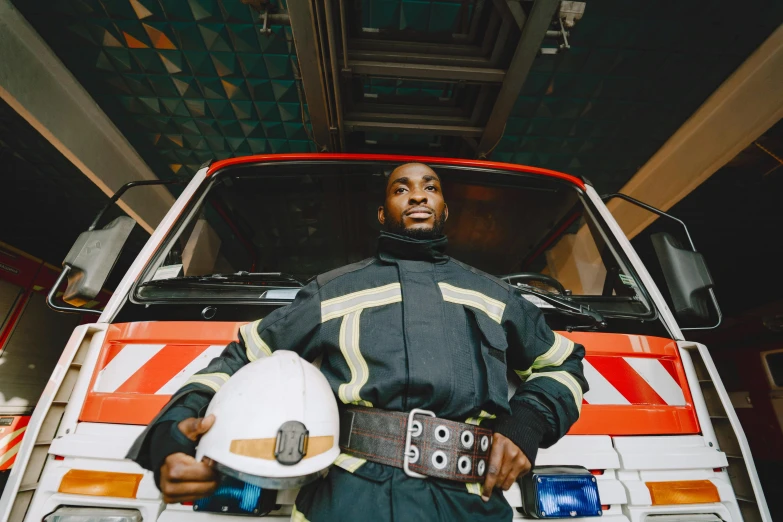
(297, 516)
(561, 349)
(475, 488)
(341, 306)
(255, 347)
(211, 380)
(349, 462)
(360, 373)
(492, 307)
(481, 416)
(567, 380)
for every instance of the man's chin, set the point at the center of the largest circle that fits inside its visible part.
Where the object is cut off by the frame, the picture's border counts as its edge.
(420, 232)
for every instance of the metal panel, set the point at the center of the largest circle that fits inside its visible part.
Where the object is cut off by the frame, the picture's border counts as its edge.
(9, 293)
(304, 31)
(529, 43)
(427, 71)
(31, 354)
(413, 128)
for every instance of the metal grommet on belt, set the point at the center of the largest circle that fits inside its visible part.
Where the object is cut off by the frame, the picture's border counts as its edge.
(481, 468)
(442, 433)
(467, 439)
(484, 443)
(464, 465)
(439, 459)
(413, 455)
(416, 428)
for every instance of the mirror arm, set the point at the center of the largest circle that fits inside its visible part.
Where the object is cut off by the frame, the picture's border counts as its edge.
(117, 195)
(634, 201)
(66, 309)
(649, 208)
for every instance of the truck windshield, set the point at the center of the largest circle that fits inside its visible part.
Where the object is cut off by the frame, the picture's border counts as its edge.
(258, 233)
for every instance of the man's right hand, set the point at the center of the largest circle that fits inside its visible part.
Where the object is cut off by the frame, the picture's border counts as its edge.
(183, 478)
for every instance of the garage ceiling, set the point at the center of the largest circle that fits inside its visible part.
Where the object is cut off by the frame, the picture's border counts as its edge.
(191, 80)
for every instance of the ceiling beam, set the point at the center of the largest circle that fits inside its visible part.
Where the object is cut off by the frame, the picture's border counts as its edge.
(428, 71)
(413, 128)
(303, 27)
(748, 103)
(36, 84)
(533, 33)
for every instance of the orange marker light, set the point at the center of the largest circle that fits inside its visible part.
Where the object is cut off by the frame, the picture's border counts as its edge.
(100, 483)
(683, 492)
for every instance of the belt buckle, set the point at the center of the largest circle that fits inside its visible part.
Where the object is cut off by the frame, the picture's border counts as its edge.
(407, 454)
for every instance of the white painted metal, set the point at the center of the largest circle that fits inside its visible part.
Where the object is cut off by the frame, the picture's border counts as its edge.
(99, 441)
(735, 425)
(79, 392)
(155, 240)
(43, 91)
(642, 514)
(590, 451)
(670, 453)
(36, 421)
(702, 414)
(652, 290)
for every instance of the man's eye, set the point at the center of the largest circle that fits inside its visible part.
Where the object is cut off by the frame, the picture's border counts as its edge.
(432, 187)
(399, 190)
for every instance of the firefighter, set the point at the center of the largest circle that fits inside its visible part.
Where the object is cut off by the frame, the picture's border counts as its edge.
(407, 329)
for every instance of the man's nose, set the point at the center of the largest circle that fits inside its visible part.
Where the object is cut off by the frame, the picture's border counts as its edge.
(418, 196)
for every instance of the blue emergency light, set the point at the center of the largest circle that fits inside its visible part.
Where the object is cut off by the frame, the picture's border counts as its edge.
(560, 492)
(237, 497)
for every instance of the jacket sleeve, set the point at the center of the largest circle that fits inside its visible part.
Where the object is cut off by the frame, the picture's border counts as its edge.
(549, 398)
(294, 327)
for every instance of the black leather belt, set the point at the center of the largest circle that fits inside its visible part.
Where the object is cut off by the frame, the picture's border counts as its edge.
(418, 442)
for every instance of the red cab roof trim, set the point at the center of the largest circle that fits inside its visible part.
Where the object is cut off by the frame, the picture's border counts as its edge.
(218, 165)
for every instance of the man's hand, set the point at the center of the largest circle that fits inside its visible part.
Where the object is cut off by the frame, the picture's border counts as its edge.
(182, 478)
(506, 463)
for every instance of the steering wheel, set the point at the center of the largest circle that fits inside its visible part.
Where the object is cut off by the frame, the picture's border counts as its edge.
(524, 277)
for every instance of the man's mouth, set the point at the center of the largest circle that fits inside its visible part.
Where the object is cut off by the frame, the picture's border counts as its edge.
(419, 213)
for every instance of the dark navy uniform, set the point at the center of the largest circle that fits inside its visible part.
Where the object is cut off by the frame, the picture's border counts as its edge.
(408, 328)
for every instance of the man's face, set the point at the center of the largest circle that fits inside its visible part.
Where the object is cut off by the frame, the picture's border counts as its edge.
(414, 205)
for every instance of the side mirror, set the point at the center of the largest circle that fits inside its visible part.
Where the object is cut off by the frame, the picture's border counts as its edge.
(92, 257)
(685, 273)
(687, 278)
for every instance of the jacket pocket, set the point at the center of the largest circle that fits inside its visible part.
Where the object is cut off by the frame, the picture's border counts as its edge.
(493, 351)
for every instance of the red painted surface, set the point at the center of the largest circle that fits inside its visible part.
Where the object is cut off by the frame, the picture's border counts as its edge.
(10, 440)
(266, 158)
(135, 402)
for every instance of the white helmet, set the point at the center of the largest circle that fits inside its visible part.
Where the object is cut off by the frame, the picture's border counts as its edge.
(276, 424)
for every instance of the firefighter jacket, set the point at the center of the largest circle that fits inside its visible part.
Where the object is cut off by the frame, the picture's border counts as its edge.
(408, 328)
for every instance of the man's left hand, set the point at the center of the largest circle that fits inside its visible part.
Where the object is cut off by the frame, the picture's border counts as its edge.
(506, 463)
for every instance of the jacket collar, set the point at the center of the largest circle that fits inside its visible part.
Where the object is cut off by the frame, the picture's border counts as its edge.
(393, 247)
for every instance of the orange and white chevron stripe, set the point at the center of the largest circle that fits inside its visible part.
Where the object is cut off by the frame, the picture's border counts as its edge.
(11, 440)
(637, 383)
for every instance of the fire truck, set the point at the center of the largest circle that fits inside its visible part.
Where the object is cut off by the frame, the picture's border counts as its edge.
(31, 341)
(246, 233)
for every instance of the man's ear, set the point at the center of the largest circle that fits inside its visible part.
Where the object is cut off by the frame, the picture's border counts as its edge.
(446, 211)
(381, 215)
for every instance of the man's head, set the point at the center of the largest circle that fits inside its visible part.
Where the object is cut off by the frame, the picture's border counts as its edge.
(414, 204)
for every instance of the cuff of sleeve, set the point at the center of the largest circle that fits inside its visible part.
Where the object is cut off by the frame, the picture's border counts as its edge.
(165, 440)
(525, 428)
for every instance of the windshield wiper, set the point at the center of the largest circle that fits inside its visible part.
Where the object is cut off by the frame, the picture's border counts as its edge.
(268, 278)
(566, 306)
